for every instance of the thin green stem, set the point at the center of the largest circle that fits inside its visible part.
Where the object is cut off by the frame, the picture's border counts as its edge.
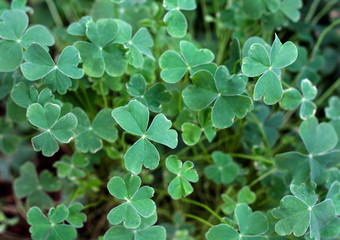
(260, 126)
(102, 92)
(54, 12)
(323, 11)
(322, 36)
(254, 158)
(262, 177)
(186, 78)
(206, 208)
(115, 8)
(86, 97)
(198, 219)
(328, 93)
(312, 10)
(123, 141)
(286, 84)
(221, 47)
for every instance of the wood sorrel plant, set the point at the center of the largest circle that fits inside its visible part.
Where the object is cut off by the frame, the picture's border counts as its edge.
(181, 119)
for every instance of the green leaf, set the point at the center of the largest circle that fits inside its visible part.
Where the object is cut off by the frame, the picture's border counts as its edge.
(138, 203)
(299, 212)
(52, 228)
(291, 9)
(224, 170)
(180, 186)
(266, 63)
(13, 25)
(191, 133)
(225, 91)
(79, 28)
(53, 128)
(174, 66)
(72, 167)
(28, 185)
(245, 195)
(291, 99)
(24, 96)
(76, 218)
(333, 110)
(11, 55)
(134, 119)
(177, 23)
(222, 232)
(334, 195)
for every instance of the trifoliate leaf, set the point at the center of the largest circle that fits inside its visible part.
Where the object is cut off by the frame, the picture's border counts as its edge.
(53, 227)
(89, 137)
(174, 66)
(137, 201)
(14, 37)
(72, 167)
(53, 128)
(28, 185)
(245, 195)
(153, 98)
(261, 62)
(301, 211)
(223, 89)
(75, 217)
(292, 98)
(39, 64)
(180, 186)
(319, 139)
(251, 225)
(134, 119)
(224, 170)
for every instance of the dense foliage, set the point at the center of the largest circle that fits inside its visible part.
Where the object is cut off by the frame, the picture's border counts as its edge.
(181, 119)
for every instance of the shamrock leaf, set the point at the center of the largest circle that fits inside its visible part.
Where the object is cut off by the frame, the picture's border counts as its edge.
(174, 66)
(79, 28)
(224, 90)
(251, 225)
(292, 98)
(191, 133)
(245, 195)
(153, 98)
(28, 185)
(24, 96)
(144, 232)
(268, 65)
(333, 110)
(53, 128)
(137, 201)
(301, 211)
(180, 187)
(8, 142)
(14, 37)
(53, 227)
(134, 118)
(138, 45)
(101, 55)
(71, 167)
(256, 8)
(177, 23)
(290, 8)
(228, 205)
(319, 139)
(75, 217)
(334, 195)
(224, 170)
(39, 64)
(89, 137)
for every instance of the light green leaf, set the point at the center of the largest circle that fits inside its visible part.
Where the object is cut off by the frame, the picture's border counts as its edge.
(191, 133)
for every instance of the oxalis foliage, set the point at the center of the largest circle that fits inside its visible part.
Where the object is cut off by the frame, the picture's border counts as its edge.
(181, 120)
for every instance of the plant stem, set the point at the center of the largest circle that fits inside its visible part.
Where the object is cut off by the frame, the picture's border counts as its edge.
(312, 10)
(102, 92)
(54, 12)
(206, 208)
(325, 10)
(198, 219)
(182, 88)
(329, 92)
(255, 158)
(262, 177)
(260, 126)
(221, 47)
(86, 97)
(115, 7)
(322, 36)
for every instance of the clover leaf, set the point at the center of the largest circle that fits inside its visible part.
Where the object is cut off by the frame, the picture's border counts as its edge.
(30, 186)
(177, 23)
(138, 45)
(8, 141)
(191, 133)
(180, 186)
(319, 140)
(14, 37)
(144, 232)
(24, 96)
(290, 8)
(137, 201)
(292, 98)
(174, 66)
(72, 167)
(134, 118)
(75, 217)
(224, 170)
(101, 54)
(245, 195)
(53, 227)
(251, 225)
(39, 64)
(334, 195)
(89, 136)
(53, 128)
(300, 211)
(227, 93)
(153, 98)
(79, 28)
(261, 62)
(333, 110)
